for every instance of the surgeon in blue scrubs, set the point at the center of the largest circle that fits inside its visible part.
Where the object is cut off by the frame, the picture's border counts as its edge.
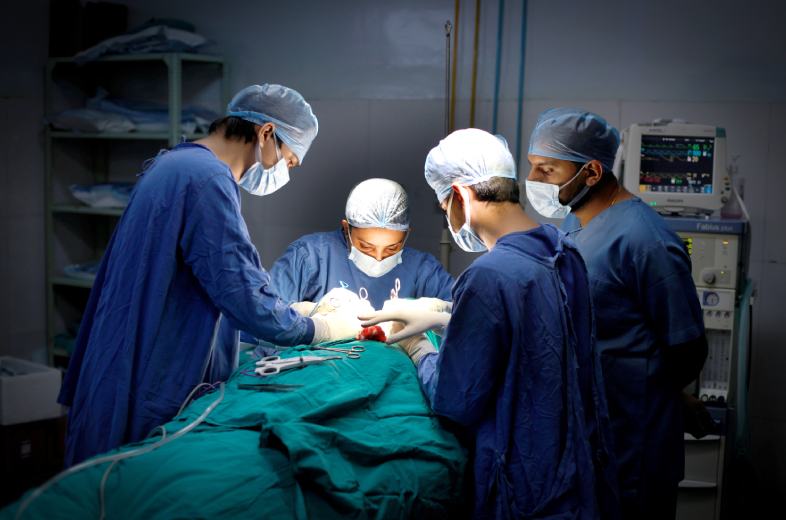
(367, 251)
(649, 323)
(180, 261)
(517, 364)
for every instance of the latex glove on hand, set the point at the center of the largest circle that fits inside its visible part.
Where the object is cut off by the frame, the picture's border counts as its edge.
(334, 327)
(415, 322)
(416, 347)
(421, 304)
(303, 308)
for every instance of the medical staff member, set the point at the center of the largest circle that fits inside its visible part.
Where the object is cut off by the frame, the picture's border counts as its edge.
(180, 259)
(367, 251)
(517, 364)
(648, 319)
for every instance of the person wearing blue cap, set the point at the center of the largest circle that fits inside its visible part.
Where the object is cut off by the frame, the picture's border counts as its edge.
(648, 319)
(517, 364)
(179, 263)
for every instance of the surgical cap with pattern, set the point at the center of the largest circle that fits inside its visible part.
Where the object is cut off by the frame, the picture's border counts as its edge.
(468, 157)
(573, 134)
(378, 203)
(296, 125)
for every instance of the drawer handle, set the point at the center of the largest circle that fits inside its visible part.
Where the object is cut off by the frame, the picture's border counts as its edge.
(697, 484)
(708, 438)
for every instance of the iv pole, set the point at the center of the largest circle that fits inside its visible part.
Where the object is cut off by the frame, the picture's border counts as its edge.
(446, 243)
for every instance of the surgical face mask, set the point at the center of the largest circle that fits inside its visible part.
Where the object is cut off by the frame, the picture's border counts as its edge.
(545, 197)
(260, 181)
(465, 238)
(370, 265)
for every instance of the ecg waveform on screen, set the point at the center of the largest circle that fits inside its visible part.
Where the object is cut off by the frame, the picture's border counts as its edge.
(676, 164)
(672, 151)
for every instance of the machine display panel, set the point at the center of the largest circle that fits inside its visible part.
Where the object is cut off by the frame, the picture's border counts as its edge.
(688, 245)
(676, 164)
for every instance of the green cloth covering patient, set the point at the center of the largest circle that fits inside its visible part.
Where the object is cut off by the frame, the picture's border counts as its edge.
(359, 441)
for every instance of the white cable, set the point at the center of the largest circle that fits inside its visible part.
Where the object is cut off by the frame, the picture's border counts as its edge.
(163, 430)
(101, 494)
(185, 403)
(118, 456)
(742, 203)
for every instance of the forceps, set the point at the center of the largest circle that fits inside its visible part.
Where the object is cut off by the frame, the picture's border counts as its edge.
(395, 290)
(352, 353)
(272, 365)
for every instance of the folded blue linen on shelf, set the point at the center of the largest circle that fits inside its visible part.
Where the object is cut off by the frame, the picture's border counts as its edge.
(103, 195)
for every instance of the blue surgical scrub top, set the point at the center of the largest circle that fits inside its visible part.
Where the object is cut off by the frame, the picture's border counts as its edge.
(645, 299)
(179, 262)
(315, 264)
(518, 366)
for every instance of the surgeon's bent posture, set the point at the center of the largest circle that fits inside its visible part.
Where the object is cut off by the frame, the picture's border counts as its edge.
(517, 364)
(367, 251)
(179, 259)
(648, 319)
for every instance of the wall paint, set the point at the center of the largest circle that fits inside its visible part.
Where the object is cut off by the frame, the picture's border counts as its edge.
(377, 49)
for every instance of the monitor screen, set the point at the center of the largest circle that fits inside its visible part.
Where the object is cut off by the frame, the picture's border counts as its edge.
(676, 164)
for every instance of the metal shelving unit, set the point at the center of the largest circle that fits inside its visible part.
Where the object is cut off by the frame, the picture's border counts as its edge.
(101, 221)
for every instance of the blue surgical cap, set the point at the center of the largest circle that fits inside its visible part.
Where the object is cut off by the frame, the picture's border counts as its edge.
(468, 157)
(572, 134)
(378, 203)
(296, 125)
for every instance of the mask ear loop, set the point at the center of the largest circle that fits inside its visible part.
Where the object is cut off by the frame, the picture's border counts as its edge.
(450, 203)
(349, 240)
(466, 206)
(574, 177)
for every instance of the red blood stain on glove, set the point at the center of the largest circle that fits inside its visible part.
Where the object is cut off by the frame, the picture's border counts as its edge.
(373, 333)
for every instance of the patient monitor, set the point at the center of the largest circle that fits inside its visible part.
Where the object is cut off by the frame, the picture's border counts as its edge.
(675, 167)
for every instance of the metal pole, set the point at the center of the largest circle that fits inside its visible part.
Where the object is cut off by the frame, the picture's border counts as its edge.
(448, 28)
(474, 66)
(445, 245)
(521, 86)
(453, 73)
(499, 65)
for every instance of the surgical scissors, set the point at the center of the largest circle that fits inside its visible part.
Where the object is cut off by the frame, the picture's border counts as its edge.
(360, 293)
(352, 353)
(272, 365)
(395, 290)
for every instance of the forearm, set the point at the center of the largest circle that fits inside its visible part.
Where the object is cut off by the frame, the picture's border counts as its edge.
(685, 361)
(427, 375)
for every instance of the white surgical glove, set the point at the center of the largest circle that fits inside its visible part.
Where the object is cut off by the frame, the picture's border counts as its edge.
(303, 308)
(415, 322)
(416, 347)
(334, 327)
(421, 304)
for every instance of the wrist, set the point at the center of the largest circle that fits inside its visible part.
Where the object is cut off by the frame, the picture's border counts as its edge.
(321, 331)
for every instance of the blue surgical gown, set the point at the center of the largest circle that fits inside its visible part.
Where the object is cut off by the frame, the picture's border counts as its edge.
(645, 299)
(518, 367)
(179, 262)
(315, 264)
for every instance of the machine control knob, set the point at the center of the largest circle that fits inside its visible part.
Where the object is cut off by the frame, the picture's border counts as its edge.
(727, 315)
(709, 314)
(718, 314)
(724, 199)
(708, 276)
